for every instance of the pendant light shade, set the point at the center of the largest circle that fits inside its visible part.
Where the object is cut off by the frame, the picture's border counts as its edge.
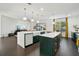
(24, 18)
(37, 21)
(32, 20)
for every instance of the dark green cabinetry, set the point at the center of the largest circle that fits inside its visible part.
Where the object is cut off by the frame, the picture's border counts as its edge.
(49, 46)
(35, 39)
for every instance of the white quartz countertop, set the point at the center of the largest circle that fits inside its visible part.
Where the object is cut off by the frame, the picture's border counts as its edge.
(51, 35)
(25, 32)
(29, 31)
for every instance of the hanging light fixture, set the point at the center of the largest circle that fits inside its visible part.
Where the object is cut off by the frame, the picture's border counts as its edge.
(24, 18)
(42, 9)
(32, 20)
(37, 21)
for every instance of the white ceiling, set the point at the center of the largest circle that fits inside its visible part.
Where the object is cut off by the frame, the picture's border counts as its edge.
(50, 9)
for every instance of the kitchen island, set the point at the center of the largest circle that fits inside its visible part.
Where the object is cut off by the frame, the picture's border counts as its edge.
(49, 43)
(26, 38)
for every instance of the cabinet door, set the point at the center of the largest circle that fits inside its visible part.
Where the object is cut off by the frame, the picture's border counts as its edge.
(28, 39)
(35, 39)
(58, 40)
(46, 46)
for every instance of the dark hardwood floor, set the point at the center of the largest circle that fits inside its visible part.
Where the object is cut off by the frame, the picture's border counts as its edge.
(9, 47)
(67, 48)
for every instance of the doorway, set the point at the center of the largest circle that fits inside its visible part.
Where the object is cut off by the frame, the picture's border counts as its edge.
(60, 26)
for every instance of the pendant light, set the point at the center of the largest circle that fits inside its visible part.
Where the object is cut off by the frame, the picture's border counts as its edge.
(38, 19)
(24, 18)
(32, 20)
(42, 9)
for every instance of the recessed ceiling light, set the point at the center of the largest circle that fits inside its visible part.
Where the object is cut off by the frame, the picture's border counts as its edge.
(42, 9)
(24, 18)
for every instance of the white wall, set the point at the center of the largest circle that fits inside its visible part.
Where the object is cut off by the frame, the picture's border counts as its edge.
(9, 25)
(74, 20)
(0, 26)
(49, 25)
(25, 23)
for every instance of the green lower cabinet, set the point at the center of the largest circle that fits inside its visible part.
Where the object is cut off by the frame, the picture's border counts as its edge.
(35, 39)
(48, 46)
(58, 41)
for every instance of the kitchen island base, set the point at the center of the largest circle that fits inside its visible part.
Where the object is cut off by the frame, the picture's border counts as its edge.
(49, 46)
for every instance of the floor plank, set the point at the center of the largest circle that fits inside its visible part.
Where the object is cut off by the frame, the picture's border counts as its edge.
(67, 48)
(9, 47)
